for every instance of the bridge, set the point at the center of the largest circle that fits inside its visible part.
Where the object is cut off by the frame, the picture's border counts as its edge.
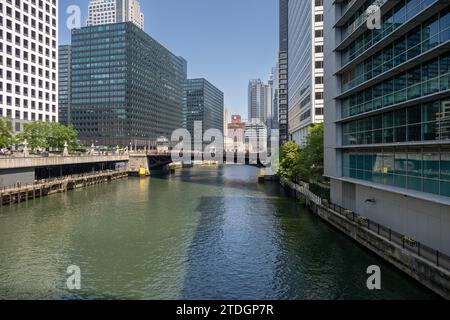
(157, 161)
(28, 170)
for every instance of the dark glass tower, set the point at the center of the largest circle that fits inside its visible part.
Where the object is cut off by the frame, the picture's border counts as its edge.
(126, 87)
(204, 102)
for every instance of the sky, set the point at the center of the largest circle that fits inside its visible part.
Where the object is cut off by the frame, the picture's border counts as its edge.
(227, 42)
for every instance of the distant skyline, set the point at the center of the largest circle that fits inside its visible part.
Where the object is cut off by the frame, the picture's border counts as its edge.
(227, 42)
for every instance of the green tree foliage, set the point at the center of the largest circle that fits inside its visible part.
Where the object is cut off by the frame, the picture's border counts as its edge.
(306, 162)
(310, 164)
(6, 135)
(45, 135)
(289, 157)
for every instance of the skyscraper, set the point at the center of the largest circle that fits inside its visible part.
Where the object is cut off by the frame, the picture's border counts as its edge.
(205, 104)
(387, 92)
(115, 11)
(65, 87)
(305, 38)
(258, 100)
(269, 102)
(283, 73)
(130, 93)
(28, 72)
(275, 98)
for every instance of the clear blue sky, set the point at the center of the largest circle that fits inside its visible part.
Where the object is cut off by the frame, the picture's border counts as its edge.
(227, 42)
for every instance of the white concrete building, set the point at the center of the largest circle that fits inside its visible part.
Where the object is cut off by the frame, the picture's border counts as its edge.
(305, 72)
(29, 61)
(387, 147)
(115, 11)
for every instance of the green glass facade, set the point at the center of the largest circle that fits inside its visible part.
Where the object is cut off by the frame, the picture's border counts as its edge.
(126, 87)
(205, 103)
(422, 169)
(420, 40)
(394, 97)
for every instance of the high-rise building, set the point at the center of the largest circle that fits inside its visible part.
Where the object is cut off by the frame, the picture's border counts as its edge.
(115, 11)
(283, 73)
(275, 98)
(259, 100)
(28, 72)
(126, 87)
(65, 87)
(387, 148)
(305, 34)
(269, 102)
(205, 104)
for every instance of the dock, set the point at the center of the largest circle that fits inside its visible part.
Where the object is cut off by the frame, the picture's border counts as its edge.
(61, 185)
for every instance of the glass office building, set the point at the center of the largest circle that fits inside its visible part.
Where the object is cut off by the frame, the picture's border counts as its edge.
(204, 103)
(388, 114)
(64, 80)
(126, 87)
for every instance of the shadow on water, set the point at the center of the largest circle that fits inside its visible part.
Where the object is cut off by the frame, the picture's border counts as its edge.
(218, 176)
(271, 247)
(204, 233)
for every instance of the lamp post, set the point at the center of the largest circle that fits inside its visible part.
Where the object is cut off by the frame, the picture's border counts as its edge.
(26, 153)
(66, 151)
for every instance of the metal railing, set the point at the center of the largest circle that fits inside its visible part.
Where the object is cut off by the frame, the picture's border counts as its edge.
(433, 256)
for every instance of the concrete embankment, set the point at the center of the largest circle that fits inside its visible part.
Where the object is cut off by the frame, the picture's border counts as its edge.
(432, 274)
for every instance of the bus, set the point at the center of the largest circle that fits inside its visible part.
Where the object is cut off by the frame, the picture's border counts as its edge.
(162, 145)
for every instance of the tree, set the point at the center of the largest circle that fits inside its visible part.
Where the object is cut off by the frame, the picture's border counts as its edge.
(6, 135)
(60, 134)
(310, 164)
(36, 134)
(289, 157)
(45, 135)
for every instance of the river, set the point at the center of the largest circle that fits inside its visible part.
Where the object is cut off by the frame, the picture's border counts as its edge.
(203, 233)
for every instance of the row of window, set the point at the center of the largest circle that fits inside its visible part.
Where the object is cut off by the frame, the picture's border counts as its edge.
(428, 78)
(426, 122)
(32, 93)
(25, 67)
(358, 17)
(26, 33)
(402, 12)
(32, 116)
(418, 169)
(423, 38)
(25, 103)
